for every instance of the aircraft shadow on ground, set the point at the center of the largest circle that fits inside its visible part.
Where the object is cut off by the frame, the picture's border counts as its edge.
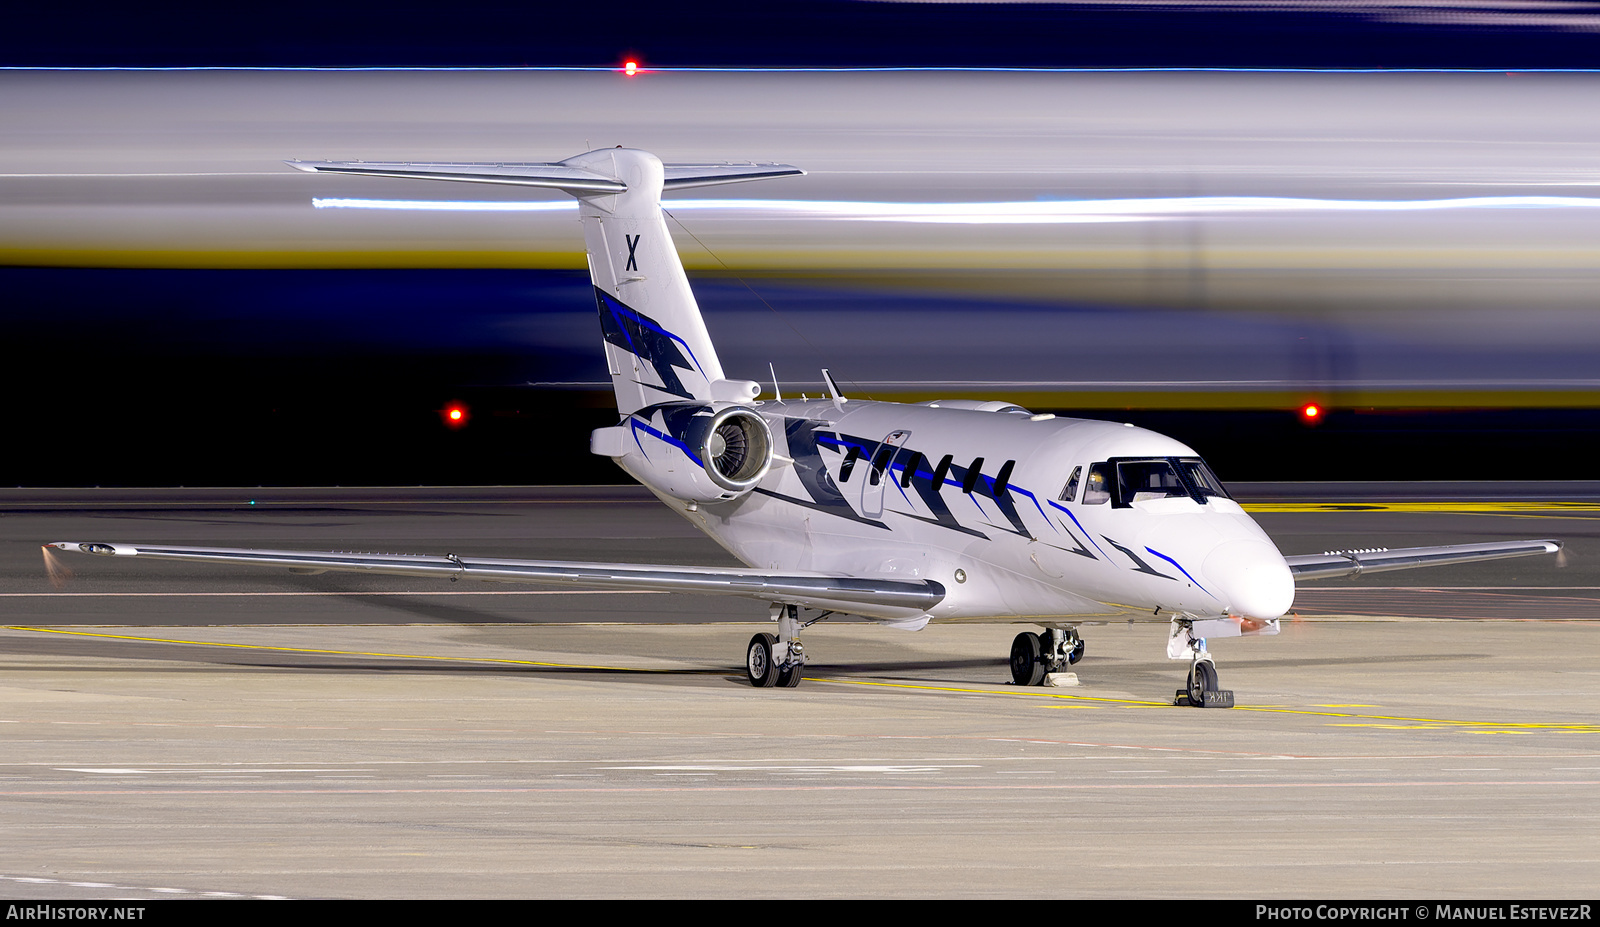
(425, 610)
(217, 660)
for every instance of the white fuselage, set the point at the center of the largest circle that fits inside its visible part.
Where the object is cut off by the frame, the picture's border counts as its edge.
(1003, 542)
(968, 501)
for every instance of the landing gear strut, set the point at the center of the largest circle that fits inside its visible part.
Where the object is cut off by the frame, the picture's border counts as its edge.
(776, 661)
(1034, 656)
(1201, 690)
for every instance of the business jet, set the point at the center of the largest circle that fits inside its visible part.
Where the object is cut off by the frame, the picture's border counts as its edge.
(947, 511)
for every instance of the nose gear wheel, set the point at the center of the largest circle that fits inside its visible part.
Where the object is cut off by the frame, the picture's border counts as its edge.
(1202, 690)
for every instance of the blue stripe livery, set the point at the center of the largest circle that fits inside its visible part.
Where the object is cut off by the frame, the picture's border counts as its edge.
(644, 338)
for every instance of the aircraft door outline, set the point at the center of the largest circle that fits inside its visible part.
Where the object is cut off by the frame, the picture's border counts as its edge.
(880, 470)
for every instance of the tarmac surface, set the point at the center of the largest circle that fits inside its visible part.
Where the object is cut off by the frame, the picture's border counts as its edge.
(174, 731)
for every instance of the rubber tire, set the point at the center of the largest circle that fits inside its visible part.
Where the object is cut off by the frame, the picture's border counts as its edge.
(1027, 669)
(759, 667)
(1076, 653)
(789, 677)
(1202, 679)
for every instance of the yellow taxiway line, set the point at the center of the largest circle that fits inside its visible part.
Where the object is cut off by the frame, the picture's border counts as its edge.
(1350, 718)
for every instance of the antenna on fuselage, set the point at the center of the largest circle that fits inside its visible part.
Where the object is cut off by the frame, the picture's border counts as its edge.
(777, 395)
(833, 389)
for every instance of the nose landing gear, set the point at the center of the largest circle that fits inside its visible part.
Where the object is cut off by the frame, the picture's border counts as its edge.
(1201, 690)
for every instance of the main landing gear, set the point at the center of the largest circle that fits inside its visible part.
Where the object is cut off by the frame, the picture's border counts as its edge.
(1034, 656)
(776, 661)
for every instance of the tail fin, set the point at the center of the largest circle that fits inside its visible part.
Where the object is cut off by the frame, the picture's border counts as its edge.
(656, 343)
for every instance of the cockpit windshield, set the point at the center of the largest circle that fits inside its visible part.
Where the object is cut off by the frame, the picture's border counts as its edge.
(1143, 479)
(1200, 478)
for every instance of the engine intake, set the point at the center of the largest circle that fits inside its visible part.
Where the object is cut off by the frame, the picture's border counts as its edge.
(691, 451)
(737, 449)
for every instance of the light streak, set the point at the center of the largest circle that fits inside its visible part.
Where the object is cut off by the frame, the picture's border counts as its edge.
(1023, 212)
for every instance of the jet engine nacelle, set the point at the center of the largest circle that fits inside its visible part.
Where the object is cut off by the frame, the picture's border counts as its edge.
(693, 451)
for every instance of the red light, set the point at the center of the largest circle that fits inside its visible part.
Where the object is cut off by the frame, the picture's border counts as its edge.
(630, 67)
(1311, 412)
(455, 415)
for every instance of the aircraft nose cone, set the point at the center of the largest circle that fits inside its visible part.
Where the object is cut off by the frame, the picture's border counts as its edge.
(1251, 579)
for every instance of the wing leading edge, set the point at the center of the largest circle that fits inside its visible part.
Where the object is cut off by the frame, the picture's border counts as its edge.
(865, 596)
(1337, 563)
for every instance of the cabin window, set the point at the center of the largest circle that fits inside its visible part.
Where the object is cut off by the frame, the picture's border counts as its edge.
(1071, 490)
(849, 464)
(973, 472)
(1097, 490)
(1002, 480)
(910, 469)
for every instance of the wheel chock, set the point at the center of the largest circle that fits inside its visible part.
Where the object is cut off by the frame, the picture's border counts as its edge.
(1218, 698)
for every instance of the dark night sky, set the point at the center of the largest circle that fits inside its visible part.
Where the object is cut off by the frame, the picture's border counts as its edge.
(795, 34)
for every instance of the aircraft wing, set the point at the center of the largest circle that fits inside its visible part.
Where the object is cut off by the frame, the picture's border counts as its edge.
(574, 180)
(873, 598)
(1337, 563)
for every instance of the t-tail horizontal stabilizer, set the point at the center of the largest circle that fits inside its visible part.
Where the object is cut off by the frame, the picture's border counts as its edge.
(556, 175)
(657, 348)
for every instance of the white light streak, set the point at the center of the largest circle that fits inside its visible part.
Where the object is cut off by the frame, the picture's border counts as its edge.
(1038, 212)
